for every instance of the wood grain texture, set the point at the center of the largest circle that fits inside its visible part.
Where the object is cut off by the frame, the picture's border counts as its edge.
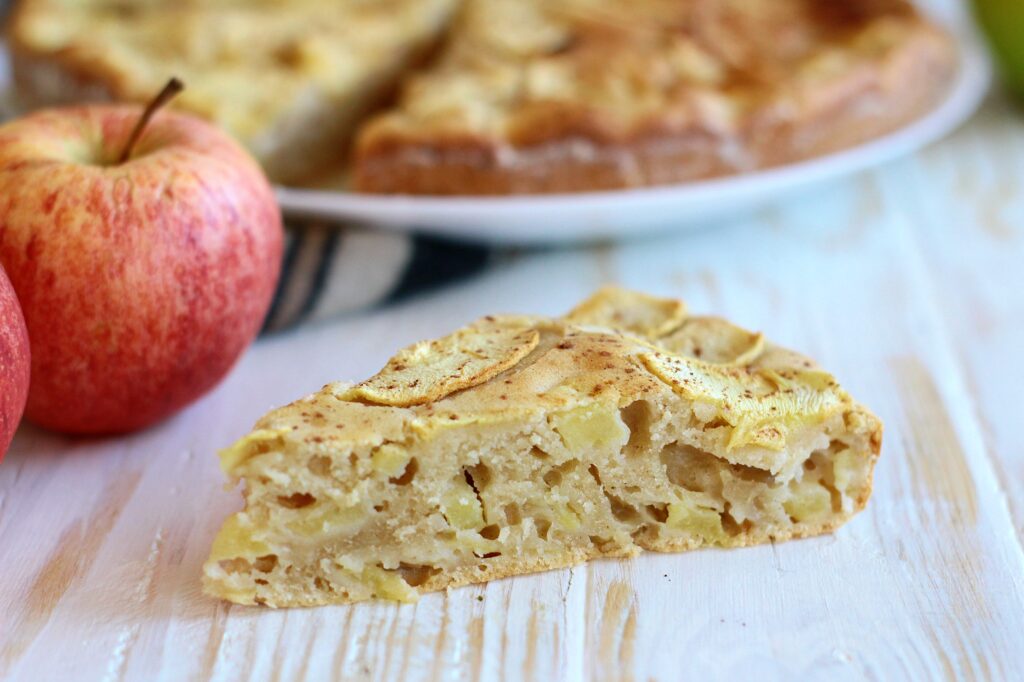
(906, 282)
(972, 243)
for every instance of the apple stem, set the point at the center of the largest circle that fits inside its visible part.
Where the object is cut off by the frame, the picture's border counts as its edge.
(173, 87)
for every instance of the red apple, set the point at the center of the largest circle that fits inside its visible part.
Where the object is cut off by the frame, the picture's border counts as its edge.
(142, 281)
(14, 363)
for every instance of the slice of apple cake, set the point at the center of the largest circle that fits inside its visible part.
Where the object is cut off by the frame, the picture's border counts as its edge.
(520, 444)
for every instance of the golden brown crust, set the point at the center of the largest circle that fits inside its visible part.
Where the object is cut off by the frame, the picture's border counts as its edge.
(543, 443)
(854, 76)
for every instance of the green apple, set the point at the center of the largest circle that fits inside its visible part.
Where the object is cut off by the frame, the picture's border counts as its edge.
(1003, 21)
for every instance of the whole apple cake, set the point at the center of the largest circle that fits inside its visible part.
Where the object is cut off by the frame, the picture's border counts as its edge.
(521, 444)
(503, 96)
(541, 96)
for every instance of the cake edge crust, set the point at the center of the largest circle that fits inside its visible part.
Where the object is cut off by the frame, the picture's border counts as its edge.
(580, 156)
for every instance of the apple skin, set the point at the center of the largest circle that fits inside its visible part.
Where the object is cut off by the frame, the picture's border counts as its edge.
(1003, 21)
(141, 282)
(14, 363)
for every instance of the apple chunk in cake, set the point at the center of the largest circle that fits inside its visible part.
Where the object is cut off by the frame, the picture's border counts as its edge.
(520, 444)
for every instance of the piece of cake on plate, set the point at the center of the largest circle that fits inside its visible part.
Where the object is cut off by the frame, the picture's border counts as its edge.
(521, 444)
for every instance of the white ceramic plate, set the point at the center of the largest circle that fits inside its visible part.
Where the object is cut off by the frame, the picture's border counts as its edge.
(622, 214)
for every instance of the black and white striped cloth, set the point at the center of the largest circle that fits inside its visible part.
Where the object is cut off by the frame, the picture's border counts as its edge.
(334, 269)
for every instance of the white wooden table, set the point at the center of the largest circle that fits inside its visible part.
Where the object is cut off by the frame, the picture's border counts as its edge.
(907, 282)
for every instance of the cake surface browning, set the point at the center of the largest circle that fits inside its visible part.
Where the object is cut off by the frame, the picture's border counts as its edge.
(535, 96)
(521, 444)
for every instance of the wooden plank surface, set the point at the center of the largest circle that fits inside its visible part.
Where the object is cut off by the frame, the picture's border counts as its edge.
(906, 282)
(972, 242)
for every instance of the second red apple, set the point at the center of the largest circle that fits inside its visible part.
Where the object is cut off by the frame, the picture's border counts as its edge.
(14, 363)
